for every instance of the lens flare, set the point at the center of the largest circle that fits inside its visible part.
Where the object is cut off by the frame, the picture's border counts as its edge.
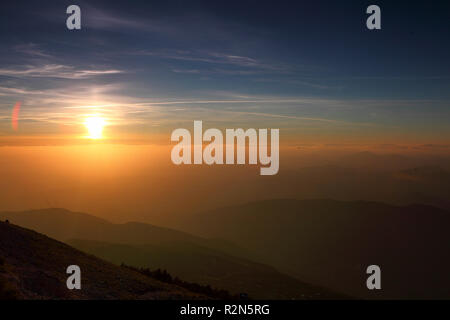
(15, 116)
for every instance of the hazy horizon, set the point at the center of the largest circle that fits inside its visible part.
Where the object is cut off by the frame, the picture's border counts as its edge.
(124, 183)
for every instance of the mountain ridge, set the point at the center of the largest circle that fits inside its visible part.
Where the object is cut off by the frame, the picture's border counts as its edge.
(330, 242)
(190, 257)
(33, 266)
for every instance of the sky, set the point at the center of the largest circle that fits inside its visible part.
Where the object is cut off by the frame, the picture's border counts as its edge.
(310, 68)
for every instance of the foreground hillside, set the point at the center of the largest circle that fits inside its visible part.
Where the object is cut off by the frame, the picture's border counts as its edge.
(191, 258)
(331, 243)
(33, 266)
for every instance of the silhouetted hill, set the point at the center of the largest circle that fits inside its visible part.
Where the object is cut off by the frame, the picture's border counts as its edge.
(205, 266)
(192, 258)
(331, 242)
(63, 224)
(33, 266)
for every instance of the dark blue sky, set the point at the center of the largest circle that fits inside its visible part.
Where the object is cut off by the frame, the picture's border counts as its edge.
(148, 61)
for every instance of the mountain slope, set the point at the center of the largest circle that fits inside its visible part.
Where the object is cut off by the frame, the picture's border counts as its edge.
(33, 266)
(189, 257)
(331, 243)
(63, 224)
(205, 266)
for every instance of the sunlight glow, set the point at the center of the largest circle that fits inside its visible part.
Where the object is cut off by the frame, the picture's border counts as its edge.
(95, 125)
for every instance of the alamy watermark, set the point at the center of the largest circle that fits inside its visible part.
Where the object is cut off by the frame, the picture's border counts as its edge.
(73, 22)
(213, 152)
(74, 280)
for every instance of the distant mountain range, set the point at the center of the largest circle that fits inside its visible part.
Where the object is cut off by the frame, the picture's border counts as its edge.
(332, 242)
(324, 242)
(192, 258)
(426, 184)
(378, 162)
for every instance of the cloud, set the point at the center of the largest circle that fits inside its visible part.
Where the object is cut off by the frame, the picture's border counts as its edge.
(188, 71)
(68, 104)
(55, 71)
(306, 83)
(32, 49)
(213, 58)
(95, 18)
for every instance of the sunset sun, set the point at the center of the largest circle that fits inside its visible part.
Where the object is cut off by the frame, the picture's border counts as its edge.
(95, 125)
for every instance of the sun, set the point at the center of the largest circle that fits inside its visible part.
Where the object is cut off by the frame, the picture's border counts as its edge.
(95, 126)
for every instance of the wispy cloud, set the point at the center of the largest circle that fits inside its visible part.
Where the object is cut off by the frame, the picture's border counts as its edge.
(56, 71)
(300, 82)
(32, 49)
(213, 58)
(96, 18)
(69, 104)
